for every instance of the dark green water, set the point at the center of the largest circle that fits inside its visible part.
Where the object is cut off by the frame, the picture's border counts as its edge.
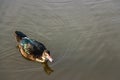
(82, 35)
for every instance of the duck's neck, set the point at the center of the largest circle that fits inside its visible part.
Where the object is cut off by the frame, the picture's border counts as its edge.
(43, 56)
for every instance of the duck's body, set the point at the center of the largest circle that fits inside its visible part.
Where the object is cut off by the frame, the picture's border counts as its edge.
(32, 49)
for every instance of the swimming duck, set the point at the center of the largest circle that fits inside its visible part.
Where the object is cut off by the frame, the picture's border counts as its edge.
(32, 49)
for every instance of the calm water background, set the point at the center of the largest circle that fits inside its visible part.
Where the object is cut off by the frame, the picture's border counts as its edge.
(82, 35)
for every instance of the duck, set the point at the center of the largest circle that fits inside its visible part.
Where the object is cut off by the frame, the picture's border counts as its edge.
(32, 49)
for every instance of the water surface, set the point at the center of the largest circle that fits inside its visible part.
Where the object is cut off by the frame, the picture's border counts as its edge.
(82, 35)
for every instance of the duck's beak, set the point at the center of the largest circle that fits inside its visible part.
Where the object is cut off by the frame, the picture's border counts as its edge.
(49, 58)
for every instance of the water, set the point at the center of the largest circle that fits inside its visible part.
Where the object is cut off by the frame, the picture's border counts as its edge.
(82, 35)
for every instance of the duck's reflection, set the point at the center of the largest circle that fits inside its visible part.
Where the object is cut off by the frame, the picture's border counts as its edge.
(47, 68)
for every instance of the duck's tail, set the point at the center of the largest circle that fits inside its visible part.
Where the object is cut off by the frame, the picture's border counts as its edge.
(19, 35)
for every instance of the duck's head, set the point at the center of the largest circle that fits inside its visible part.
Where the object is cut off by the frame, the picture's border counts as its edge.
(46, 56)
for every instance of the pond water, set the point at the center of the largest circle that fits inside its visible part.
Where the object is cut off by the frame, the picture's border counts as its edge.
(82, 35)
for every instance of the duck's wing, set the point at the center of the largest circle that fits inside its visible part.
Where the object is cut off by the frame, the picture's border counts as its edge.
(37, 48)
(39, 45)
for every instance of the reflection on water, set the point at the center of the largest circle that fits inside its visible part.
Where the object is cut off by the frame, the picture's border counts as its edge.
(47, 68)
